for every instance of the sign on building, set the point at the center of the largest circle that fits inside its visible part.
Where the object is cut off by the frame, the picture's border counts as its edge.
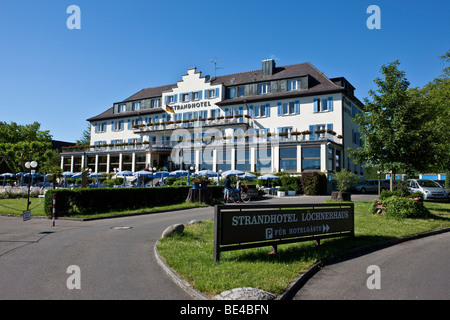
(243, 226)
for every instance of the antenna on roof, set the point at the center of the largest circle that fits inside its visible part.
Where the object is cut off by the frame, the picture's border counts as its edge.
(215, 66)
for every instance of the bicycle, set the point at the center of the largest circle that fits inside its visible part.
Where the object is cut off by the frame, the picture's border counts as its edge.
(239, 195)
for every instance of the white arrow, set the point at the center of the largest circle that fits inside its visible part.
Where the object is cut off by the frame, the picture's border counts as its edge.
(325, 228)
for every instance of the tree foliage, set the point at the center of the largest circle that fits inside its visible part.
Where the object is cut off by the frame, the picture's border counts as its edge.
(402, 128)
(22, 143)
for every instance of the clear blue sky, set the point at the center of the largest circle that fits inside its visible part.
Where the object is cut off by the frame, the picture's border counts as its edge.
(61, 77)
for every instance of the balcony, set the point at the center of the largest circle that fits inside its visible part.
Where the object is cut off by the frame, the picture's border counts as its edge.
(193, 123)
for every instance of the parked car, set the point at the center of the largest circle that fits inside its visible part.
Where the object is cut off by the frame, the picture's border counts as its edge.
(371, 186)
(429, 188)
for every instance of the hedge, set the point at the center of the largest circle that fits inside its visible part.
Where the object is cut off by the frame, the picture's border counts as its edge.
(87, 200)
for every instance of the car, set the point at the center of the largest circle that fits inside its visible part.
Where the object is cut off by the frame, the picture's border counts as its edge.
(371, 186)
(429, 188)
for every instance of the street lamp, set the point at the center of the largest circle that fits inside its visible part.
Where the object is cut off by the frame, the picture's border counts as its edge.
(31, 165)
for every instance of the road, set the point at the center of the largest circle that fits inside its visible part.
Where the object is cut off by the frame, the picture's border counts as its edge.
(416, 269)
(114, 263)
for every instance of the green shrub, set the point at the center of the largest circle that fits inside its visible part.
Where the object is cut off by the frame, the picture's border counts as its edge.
(314, 183)
(402, 207)
(87, 200)
(292, 182)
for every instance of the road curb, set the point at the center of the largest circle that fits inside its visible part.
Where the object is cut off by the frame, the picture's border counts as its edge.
(300, 281)
(176, 277)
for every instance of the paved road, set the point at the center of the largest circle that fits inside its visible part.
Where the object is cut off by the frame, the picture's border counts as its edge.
(416, 269)
(114, 264)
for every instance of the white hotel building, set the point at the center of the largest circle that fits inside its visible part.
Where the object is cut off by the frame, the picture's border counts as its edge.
(290, 118)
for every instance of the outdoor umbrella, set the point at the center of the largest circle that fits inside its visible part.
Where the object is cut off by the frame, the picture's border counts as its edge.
(208, 173)
(124, 174)
(161, 174)
(269, 177)
(76, 175)
(232, 173)
(143, 173)
(66, 175)
(95, 175)
(6, 175)
(179, 173)
(247, 175)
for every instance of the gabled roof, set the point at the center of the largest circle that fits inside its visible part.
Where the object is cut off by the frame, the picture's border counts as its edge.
(320, 85)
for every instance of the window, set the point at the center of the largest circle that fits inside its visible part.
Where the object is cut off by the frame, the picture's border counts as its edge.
(196, 95)
(323, 104)
(240, 91)
(118, 125)
(212, 93)
(101, 127)
(288, 108)
(122, 107)
(136, 106)
(185, 97)
(170, 99)
(310, 158)
(288, 158)
(261, 111)
(155, 103)
(263, 88)
(243, 159)
(232, 93)
(263, 159)
(293, 85)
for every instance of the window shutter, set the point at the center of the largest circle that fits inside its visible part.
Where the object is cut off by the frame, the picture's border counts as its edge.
(279, 108)
(175, 98)
(250, 111)
(330, 103)
(217, 112)
(330, 126)
(226, 112)
(195, 115)
(128, 124)
(190, 96)
(165, 99)
(297, 107)
(285, 108)
(95, 128)
(316, 106)
(217, 92)
(206, 94)
(121, 124)
(268, 110)
(112, 125)
(200, 95)
(312, 135)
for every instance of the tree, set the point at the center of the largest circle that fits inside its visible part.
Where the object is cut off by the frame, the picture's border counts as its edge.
(22, 143)
(435, 97)
(85, 136)
(391, 126)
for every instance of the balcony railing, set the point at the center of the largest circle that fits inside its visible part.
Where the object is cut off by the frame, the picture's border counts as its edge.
(193, 123)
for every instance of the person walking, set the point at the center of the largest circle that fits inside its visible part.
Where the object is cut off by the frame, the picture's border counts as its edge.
(227, 190)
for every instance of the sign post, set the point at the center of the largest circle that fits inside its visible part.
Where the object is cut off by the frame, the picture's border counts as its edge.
(242, 226)
(26, 215)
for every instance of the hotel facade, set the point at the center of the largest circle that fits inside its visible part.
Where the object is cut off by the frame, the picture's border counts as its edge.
(289, 118)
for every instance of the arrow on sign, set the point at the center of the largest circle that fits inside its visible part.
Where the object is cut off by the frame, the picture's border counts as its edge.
(325, 228)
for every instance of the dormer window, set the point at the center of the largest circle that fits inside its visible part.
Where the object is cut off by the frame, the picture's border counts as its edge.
(263, 88)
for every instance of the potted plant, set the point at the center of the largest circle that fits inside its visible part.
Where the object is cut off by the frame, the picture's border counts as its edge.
(345, 180)
(290, 190)
(281, 192)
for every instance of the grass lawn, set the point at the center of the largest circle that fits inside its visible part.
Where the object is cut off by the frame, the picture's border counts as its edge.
(17, 206)
(191, 254)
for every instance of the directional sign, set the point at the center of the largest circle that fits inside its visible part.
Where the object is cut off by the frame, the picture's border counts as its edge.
(241, 226)
(26, 215)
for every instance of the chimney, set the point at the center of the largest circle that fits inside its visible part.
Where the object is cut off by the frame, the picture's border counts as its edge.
(268, 66)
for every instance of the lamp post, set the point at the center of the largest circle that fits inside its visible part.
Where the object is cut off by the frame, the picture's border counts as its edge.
(31, 165)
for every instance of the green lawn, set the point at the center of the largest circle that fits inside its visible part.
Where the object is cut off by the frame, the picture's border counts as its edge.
(191, 254)
(17, 206)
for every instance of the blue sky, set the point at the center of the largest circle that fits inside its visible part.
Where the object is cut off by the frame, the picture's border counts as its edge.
(61, 77)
